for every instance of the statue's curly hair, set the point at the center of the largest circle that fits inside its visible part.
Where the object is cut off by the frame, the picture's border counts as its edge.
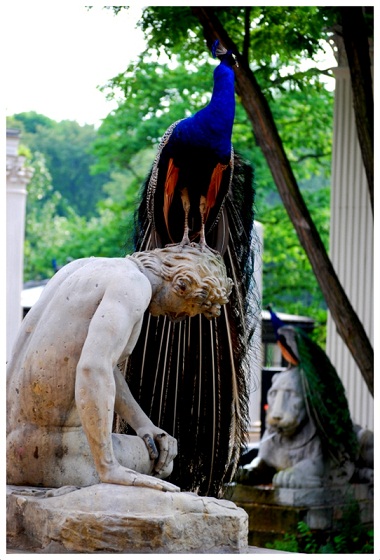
(195, 274)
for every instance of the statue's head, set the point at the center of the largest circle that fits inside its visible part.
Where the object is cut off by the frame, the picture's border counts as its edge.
(198, 281)
(286, 404)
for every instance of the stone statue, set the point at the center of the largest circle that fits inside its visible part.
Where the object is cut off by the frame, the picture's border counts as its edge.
(310, 440)
(63, 380)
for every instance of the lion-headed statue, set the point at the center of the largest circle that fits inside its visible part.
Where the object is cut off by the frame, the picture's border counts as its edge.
(310, 440)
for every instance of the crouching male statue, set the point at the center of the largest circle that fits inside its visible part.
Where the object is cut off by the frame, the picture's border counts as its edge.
(63, 383)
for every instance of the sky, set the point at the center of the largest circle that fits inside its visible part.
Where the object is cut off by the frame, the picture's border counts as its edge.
(58, 53)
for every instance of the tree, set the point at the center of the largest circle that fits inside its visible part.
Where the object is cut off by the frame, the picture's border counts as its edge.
(55, 231)
(67, 150)
(51, 240)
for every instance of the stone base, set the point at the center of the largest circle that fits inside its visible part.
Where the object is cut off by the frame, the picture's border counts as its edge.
(274, 512)
(119, 519)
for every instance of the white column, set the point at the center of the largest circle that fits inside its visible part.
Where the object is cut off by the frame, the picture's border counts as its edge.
(18, 177)
(257, 345)
(351, 242)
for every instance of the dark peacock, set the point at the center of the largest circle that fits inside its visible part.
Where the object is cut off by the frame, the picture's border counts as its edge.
(323, 390)
(192, 377)
(286, 345)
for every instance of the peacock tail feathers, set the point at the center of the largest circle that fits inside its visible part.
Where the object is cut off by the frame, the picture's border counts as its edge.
(192, 378)
(326, 398)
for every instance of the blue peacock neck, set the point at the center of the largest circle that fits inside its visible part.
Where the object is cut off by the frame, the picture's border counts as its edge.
(211, 127)
(218, 116)
(223, 94)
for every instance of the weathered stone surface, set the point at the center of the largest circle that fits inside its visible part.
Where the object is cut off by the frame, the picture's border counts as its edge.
(120, 519)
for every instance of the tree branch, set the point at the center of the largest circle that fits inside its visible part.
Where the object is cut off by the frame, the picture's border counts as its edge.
(357, 51)
(247, 34)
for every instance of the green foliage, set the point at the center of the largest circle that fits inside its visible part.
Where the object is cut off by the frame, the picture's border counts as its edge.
(73, 237)
(67, 150)
(172, 29)
(289, 284)
(51, 236)
(288, 544)
(288, 32)
(351, 538)
(31, 121)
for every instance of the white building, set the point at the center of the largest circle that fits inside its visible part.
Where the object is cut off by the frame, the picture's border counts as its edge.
(351, 242)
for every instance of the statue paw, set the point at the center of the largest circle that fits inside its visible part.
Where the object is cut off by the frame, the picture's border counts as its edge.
(290, 478)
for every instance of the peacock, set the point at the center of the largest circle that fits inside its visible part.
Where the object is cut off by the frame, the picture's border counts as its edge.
(193, 170)
(322, 388)
(288, 351)
(192, 377)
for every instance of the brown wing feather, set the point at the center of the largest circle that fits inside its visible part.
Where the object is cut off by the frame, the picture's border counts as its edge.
(214, 187)
(170, 185)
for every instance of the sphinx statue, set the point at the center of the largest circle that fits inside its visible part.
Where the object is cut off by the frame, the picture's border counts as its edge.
(310, 440)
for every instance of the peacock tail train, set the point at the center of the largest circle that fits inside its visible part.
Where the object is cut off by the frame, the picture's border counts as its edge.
(192, 378)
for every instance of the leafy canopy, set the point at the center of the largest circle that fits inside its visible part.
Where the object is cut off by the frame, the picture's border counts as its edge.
(67, 151)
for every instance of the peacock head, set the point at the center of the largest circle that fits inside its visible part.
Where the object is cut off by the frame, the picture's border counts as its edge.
(225, 56)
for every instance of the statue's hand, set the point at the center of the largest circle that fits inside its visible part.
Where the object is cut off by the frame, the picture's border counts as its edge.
(161, 446)
(117, 474)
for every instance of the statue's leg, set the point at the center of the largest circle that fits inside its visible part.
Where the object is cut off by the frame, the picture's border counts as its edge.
(55, 457)
(49, 457)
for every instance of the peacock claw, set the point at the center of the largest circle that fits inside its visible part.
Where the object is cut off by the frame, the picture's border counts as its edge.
(205, 246)
(185, 241)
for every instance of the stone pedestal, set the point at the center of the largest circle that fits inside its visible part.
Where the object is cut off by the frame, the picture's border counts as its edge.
(119, 519)
(273, 512)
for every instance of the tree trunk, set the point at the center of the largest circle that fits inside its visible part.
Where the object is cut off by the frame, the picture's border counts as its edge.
(355, 39)
(347, 322)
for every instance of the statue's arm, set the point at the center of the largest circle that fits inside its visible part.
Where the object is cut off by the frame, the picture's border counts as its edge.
(109, 332)
(161, 446)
